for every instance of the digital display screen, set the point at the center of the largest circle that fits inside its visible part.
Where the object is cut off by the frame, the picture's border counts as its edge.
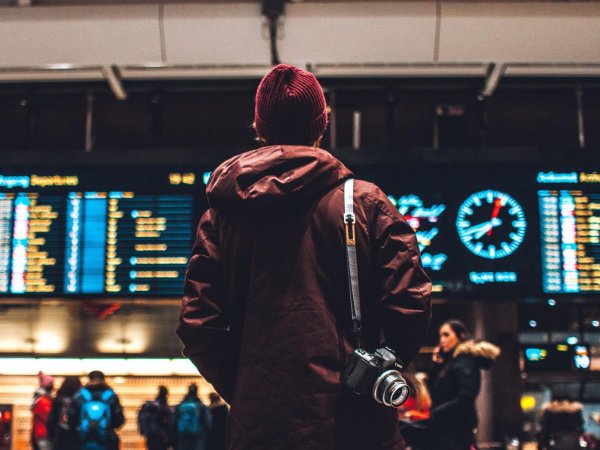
(497, 231)
(557, 358)
(476, 228)
(570, 232)
(61, 238)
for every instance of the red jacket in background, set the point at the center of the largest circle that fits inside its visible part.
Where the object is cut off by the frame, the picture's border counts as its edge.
(266, 311)
(40, 410)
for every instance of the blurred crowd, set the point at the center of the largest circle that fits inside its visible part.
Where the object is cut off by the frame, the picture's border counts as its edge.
(86, 417)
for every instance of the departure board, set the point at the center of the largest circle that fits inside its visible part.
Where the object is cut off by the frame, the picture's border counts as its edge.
(501, 231)
(570, 232)
(58, 240)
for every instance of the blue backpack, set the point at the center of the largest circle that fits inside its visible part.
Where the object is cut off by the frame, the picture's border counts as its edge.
(188, 421)
(95, 415)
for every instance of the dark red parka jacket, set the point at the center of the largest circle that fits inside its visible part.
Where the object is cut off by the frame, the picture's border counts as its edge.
(266, 312)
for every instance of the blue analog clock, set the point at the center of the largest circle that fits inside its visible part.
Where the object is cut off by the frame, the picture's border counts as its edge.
(491, 224)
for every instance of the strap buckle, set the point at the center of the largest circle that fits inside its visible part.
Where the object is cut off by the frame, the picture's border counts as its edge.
(350, 230)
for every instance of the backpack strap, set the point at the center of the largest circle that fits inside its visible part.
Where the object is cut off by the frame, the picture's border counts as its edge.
(107, 395)
(86, 394)
(350, 228)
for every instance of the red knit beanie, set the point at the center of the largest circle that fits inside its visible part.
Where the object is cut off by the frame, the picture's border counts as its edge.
(290, 107)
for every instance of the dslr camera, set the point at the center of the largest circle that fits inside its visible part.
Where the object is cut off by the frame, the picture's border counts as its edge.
(376, 374)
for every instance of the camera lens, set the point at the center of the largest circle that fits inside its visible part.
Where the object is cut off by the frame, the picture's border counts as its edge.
(399, 394)
(390, 389)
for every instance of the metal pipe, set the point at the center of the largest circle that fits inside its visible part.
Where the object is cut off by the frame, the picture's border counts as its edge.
(89, 119)
(113, 80)
(332, 121)
(580, 116)
(356, 130)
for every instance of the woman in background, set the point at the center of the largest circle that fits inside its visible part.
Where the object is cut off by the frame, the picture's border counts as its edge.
(62, 437)
(454, 382)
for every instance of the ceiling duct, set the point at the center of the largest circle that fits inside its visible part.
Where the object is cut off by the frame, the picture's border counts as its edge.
(192, 72)
(398, 70)
(50, 73)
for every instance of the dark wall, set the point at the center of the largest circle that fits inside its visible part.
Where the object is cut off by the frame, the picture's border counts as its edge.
(395, 115)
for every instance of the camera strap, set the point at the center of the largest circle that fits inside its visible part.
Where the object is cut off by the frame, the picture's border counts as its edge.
(350, 229)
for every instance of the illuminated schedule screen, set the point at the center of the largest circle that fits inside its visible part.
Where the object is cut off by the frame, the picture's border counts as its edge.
(484, 231)
(501, 231)
(58, 239)
(475, 226)
(570, 233)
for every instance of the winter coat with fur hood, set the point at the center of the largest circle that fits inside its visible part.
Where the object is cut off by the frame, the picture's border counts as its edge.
(454, 386)
(562, 425)
(266, 311)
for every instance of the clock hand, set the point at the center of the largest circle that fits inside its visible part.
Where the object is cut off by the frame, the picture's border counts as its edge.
(485, 226)
(497, 206)
(477, 228)
(491, 224)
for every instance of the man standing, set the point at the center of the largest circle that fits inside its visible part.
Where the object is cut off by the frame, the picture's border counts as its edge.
(266, 313)
(219, 411)
(154, 421)
(96, 413)
(193, 421)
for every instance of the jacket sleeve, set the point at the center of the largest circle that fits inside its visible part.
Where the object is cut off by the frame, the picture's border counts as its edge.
(204, 323)
(405, 289)
(468, 378)
(116, 413)
(433, 375)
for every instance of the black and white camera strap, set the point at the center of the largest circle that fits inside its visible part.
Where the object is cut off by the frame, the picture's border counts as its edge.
(350, 228)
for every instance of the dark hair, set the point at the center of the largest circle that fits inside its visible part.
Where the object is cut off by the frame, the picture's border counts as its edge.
(69, 387)
(96, 375)
(193, 389)
(163, 393)
(459, 328)
(214, 397)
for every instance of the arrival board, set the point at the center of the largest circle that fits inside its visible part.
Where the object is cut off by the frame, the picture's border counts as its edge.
(489, 231)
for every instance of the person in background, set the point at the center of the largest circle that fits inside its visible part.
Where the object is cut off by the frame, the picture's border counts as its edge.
(454, 382)
(40, 409)
(414, 413)
(154, 421)
(562, 426)
(266, 312)
(193, 421)
(220, 412)
(96, 413)
(63, 437)
(417, 406)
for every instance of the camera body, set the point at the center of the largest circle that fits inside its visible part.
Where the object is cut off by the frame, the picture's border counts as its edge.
(377, 374)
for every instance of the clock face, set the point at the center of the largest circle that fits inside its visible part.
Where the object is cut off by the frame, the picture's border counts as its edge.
(491, 224)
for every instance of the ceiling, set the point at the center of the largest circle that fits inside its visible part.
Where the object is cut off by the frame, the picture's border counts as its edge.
(131, 2)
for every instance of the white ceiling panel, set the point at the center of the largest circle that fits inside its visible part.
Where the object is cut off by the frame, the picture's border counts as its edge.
(520, 32)
(363, 33)
(215, 35)
(76, 35)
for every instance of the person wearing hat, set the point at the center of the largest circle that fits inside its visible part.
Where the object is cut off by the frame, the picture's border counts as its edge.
(266, 313)
(40, 409)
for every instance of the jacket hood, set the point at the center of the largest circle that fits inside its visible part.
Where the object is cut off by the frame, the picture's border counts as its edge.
(272, 176)
(484, 352)
(558, 407)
